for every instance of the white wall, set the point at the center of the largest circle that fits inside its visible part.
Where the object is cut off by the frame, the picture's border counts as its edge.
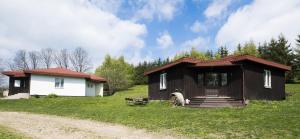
(90, 91)
(44, 85)
(96, 90)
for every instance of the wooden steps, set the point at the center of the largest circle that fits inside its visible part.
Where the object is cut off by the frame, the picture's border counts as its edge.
(214, 102)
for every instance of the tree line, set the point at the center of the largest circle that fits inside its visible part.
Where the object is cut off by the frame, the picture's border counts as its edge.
(121, 75)
(77, 59)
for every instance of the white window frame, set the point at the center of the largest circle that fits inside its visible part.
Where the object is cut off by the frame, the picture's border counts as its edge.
(17, 83)
(60, 82)
(163, 81)
(267, 79)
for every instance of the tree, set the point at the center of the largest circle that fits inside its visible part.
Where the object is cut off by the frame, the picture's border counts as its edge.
(238, 51)
(249, 48)
(34, 59)
(1, 76)
(297, 58)
(223, 51)
(138, 76)
(62, 58)
(20, 60)
(80, 60)
(194, 53)
(209, 54)
(118, 73)
(47, 57)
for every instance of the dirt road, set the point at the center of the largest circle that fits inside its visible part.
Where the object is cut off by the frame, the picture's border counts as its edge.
(55, 127)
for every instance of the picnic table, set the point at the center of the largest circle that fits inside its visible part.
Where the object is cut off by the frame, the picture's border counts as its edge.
(137, 101)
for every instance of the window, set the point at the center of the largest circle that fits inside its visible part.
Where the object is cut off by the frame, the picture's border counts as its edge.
(267, 79)
(200, 79)
(212, 79)
(59, 82)
(223, 79)
(17, 83)
(163, 81)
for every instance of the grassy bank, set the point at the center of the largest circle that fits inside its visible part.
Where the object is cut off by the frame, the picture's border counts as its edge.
(263, 119)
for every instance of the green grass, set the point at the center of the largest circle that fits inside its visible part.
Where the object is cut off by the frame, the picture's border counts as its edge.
(260, 119)
(7, 133)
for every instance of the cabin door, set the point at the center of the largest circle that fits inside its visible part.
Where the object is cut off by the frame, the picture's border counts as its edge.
(212, 84)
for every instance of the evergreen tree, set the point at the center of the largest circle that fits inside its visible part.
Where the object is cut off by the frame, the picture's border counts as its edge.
(238, 51)
(209, 54)
(222, 52)
(297, 58)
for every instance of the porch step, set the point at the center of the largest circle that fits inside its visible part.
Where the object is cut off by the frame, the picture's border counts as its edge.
(214, 102)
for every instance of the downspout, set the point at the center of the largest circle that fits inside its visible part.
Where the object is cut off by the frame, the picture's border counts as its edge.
(243, 82)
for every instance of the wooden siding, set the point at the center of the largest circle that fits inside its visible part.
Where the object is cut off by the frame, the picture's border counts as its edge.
(174, 81)
(186, 78)
(24, 82)
(232, 89)
(254, 82)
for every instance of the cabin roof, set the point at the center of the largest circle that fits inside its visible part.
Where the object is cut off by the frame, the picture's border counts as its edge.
(226, 61)
(54, 72)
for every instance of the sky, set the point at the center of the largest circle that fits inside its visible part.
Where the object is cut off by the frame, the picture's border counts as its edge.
(143, 29)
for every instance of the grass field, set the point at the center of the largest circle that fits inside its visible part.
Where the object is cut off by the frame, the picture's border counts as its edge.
(260, 119)
(6, 133)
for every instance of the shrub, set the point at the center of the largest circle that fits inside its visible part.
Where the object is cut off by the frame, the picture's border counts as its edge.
(35, 96)
(52, 95)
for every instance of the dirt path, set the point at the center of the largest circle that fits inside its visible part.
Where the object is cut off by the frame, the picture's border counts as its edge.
(54, 127)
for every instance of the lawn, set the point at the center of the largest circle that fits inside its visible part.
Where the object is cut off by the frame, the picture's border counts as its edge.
(260, 119)
(7, 133)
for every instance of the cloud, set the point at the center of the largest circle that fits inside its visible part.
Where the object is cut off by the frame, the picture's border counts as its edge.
(161, 9)
(35, 24)
(260, 23)
(201, 43)
(164, 40)
(111, 6)
(216, 8)
(198, 27)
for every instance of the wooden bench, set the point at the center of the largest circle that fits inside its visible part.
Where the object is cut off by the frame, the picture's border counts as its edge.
(136, 101)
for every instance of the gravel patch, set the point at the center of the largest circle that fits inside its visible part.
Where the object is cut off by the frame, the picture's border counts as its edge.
(55, 127)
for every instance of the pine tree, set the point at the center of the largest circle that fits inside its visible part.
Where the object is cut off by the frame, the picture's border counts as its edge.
(297, 58)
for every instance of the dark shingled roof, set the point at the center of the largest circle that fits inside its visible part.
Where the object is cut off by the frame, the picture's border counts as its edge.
(226, 61)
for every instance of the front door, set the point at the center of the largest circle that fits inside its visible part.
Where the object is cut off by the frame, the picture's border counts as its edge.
(212, 84)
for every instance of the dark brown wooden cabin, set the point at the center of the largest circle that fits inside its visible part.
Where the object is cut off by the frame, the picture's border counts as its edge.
(236, 78)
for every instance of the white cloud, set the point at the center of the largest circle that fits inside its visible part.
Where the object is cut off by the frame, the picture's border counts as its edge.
(161, 9)
(199, 42)
(164, 40)
(198, 27)
(36, 24)
(216, 8)
(260, 21)
(111, 6)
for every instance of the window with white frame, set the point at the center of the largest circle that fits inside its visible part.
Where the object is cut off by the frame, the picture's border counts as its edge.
(17, 83)
(267, 78)
(59, 82)
(163, 81)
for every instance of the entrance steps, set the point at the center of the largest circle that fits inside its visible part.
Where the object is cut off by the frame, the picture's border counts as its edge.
(18, 96)
(215, 102)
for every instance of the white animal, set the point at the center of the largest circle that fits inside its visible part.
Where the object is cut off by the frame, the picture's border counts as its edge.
(179, 98)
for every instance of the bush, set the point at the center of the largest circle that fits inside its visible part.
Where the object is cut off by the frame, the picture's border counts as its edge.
(52, 96)
(35, 96)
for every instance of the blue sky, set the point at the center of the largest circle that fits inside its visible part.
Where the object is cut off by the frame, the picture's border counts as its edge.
(142, 29)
